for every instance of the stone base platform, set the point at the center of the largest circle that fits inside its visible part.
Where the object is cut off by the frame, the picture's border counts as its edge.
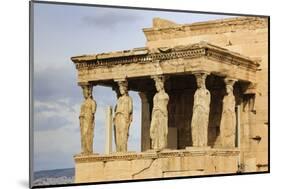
(151, 164)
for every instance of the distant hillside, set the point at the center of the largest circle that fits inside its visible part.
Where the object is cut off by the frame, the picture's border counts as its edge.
(53, 177)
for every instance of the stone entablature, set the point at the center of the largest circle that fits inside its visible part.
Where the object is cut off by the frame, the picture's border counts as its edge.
(146, 62)
(142, 55)
(168, 31)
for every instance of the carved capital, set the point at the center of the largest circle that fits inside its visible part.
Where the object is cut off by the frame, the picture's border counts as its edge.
(251, 89)
(123, 83)
(87, 89)
(201, 78)
(143, 97)
(159, 78)
(120, 79)
(200, 73)
(159, 81)
(85, 83)
(229, 81)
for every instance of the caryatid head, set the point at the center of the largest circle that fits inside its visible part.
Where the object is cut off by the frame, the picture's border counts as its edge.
(229, 85)
(200, 80)
(87, 91)
(159, 82)
(229, 89)
(123, 87)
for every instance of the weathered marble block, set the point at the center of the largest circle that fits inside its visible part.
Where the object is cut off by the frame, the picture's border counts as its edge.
(152, 164)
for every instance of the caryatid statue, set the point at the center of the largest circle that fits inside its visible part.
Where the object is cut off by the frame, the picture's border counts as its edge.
(228, 119)
(123, 117)
(87, 119)
(159, 117)
(201, 110)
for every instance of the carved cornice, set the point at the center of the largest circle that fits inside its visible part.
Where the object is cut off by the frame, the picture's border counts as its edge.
(232, 58)
(155, 155)
(145, 55)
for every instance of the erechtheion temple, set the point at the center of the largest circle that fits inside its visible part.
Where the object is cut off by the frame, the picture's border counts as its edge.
(204, 98)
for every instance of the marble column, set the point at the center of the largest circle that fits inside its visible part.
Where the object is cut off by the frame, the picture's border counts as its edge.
(159, 116)
(87, 120)
(108, 130)
(201, 110)
(145, 121)
(228, 119)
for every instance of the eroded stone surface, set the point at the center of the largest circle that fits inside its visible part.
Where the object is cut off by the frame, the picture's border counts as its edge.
(87, 118)
(123, 117)
(159, 117)
(151, 164)
(233, 48)
(201, 110)
(228, 120)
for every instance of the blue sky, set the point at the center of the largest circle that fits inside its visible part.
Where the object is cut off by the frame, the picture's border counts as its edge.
(63, 31)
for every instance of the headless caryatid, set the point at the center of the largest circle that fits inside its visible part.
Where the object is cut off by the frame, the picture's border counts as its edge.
(159, 117)
(123, 117)
(228, 119)
(87, 117)
(201, 109)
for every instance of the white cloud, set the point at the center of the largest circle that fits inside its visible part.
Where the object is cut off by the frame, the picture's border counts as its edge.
(57, 135)
(54, 114)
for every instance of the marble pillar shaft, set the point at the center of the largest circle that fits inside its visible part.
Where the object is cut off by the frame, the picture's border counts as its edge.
(145, 121)
(108, 130)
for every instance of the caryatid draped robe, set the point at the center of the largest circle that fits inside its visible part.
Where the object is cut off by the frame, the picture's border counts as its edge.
(88, 109)
(122, 121)
(159, 121)
(228, 121)
(200, 117)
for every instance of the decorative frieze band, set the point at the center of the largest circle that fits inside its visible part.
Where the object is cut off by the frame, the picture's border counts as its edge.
(141, 58)
(170, 54)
